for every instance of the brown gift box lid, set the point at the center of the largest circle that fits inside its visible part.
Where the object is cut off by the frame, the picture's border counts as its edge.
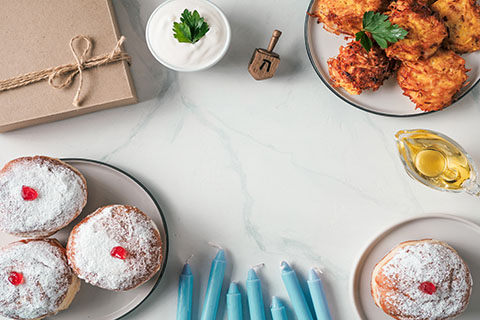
(35, 35)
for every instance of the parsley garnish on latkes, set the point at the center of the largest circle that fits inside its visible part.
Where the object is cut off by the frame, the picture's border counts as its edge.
(381, 29)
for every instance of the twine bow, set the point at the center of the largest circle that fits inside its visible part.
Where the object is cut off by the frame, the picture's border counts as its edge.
(69, 71)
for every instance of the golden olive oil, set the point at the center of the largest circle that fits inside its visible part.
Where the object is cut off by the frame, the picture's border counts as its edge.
(436, 160)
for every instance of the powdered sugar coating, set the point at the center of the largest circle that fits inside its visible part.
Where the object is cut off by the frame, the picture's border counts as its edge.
(398, 280)
(46, 275)
(92, 240)
(62, 194)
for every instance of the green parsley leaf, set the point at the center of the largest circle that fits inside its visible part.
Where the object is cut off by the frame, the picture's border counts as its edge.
(368, 17)
(365, 40)
(381, 29)
(191, 28)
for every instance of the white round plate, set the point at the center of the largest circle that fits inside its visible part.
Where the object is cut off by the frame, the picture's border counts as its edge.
(461, 234)
(108, 185)
(389, 99)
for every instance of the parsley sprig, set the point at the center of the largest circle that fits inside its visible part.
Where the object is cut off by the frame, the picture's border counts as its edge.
(381, 29)
(191, 28)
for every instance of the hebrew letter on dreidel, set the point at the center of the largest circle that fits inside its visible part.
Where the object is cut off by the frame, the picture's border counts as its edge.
(265, 61)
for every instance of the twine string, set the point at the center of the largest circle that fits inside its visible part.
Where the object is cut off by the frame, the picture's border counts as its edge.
(68, 72)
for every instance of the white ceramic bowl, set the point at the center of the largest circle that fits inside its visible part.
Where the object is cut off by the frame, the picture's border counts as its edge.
(149, 34)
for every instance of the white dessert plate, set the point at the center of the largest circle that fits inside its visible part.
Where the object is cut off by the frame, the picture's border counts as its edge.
(108, 185)
(389, 99)
(461, 234)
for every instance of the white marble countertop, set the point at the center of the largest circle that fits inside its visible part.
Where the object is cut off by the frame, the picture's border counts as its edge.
(273, 170)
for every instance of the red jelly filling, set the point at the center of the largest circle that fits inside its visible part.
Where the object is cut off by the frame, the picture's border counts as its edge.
(29, 194)
(428, 288)
(15, 278)
(119, 252)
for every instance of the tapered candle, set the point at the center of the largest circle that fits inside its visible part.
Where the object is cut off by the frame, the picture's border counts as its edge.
(254, 295)
(214, 287)
(234, 303)
(297, 298)
(318, 296)
(185, 291)
(278, 310)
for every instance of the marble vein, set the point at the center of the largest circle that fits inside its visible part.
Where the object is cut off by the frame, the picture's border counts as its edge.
(295, 163)
(143, 121)
(250, 228)
(400, 172)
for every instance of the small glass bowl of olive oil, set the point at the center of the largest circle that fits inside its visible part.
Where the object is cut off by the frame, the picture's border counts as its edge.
(437, 161)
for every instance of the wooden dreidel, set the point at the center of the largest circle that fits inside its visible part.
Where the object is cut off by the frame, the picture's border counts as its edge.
(265, 62)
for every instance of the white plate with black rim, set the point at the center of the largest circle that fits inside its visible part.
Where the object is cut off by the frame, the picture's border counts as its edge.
(461, 234)
(389, 99)
(108, 185)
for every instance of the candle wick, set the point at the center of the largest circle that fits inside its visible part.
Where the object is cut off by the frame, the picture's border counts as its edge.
(257, 266)
(188, 259)
(317, 269)
(215, 245)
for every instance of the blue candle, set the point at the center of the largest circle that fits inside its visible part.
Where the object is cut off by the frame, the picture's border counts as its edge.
(278, 310)
(318, 296)
(185, 291)
(234, 303)
(297, 298)
(254, 295)
(214, 287)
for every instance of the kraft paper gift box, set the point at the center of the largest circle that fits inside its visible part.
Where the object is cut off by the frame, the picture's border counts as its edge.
(35, 35)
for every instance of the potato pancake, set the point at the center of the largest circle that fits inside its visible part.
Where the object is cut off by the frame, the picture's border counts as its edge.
(345, 16)
(355, 69)
(425, 31)
(462, 18)
(432, 83)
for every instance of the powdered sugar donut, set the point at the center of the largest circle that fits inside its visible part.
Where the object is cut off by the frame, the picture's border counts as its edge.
(422, 280)
(39, 196)
(35, 279)
(116, 248)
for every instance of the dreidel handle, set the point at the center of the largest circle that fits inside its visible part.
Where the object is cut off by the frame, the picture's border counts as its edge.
(273, 41)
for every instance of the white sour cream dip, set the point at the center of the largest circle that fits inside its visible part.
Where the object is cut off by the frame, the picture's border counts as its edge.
(187, 56)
